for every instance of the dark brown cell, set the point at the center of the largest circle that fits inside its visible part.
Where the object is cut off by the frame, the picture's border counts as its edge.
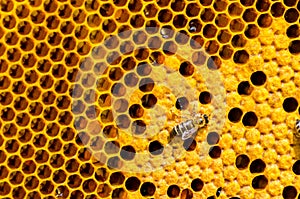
(238, 41)
(74, 181)
(264, 20)
(137, 21)
(186, 194)
(220, 5)
(296, 167)
(156, 58)
(147, 189)
(205, 97)
(146, 84)
(293, 31)
(135, 6)
(235, 115)
(250, 119)
(173, 191)
(197, 184)
(132, 183)
(209, 31)
(257, 166)
(70, 149)
(41, 156)
(215, 152)
(289, 192)
(259, 182)
(222, 20)
(150, 10)
(250, 15)
(164, 16)
(156, 148)
(290, 104)
(277, 9)
(213, 138)
(290, 3)
(224, 36)
(235, 9)
(262, 5)
(86, 170)
(258, 78)
(205, 2)
(149, 101)
(127, 152)
(101, 174)
(247, 2)
(294, 47)
(182, 103)
(226, 52)
(236, 25)
(15, 177)
(244, 88)
(196, 42)
(186, 69)
(27, 151)
(116, 178)
(192, 10)
(242, 161)
(179, 21)
(11, 38)
(241, 57)
(178, 5)
(207, 15)
(291, 15)
(136, 111)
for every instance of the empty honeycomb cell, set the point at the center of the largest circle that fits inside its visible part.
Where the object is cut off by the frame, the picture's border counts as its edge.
(293, 31)
(242, 161)
(290, 3)
(106, 10)
(205, 97)
(74, 181)
(31, 182)
(209, 31)
(277, 9)
(290, 104)
(236, 25)
(235, 9)
(46, 187)
(65, 11)
(146, 84)
(289, 192)
(13, 54)
(29, 167)
(224, 36)
(116, 178)
(52, 22)
(264, 20)
(7, 114)
(182, 103)
(7, 6)
(10, 130)
(222, 20)
(14, 162)
(156, 148)
(52, 129)
(258, 78)
(89, 186)
(31, 76)
(114, 162)
(16, 177)
(39, 32)
(262, 5)
(149, 100)
(41, 156)
(165, 15)
(294, 47)
(86, 170)
(241, 57)
(37, 124)
(4, 172)
(226, 52)
(235, 114)
(179, 21)
(192, 10)
(26, 151)
(39, 140)
(173, 191)
(215, 152)
(4, 188)
(147, 189)
(245, 88)
(259, 182)
(291, 15)
(136, 111)
(18, 192)
(35, 108)
(70, 149)
(296, 167)
(9, 22)
(238, 41)
(189, 144)
(257, 166)
(11, 38)
(127, 152)
(111, 147)
(82, 138)
(2, 154)
(103, 190)
(207, 15)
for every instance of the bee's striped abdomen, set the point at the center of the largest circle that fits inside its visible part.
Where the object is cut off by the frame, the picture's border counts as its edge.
(183, 127)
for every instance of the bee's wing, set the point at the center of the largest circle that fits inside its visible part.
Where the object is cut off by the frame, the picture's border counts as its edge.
(188, 134)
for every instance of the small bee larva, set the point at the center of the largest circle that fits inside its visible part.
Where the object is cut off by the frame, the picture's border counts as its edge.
(187, 128)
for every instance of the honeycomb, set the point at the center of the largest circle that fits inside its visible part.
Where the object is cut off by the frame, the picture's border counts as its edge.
(91, 91)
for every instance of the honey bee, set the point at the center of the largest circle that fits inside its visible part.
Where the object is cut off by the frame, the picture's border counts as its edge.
(187, 128)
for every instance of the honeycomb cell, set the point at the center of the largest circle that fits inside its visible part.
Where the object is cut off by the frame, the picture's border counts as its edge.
(293, 31)
(277, 9)
(236, 25)
(213, 138)
(127, 152)
(209, 31)
(296, 167)
(123, 121)
(156, 148)
(147, 189)
(257, 166)
(235, 115)
(291, 15)
(294, 47)
(224, 36)
(289, 192)
(141, 54)
(114, 162)
(173, 191)
(235, 9)
(258, 78)
(181, 103)
(149, 100)
(215, 152)
(259, 182)
(189, 144)
(264, 20)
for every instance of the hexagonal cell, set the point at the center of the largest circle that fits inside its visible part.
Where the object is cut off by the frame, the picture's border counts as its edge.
(103, 190)
(294, 47)
(250, 119)
(277, 9)
(264, 20)
(179, 21)
(260, 182)
(65, 11)
(147, 189)
(165, 15)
